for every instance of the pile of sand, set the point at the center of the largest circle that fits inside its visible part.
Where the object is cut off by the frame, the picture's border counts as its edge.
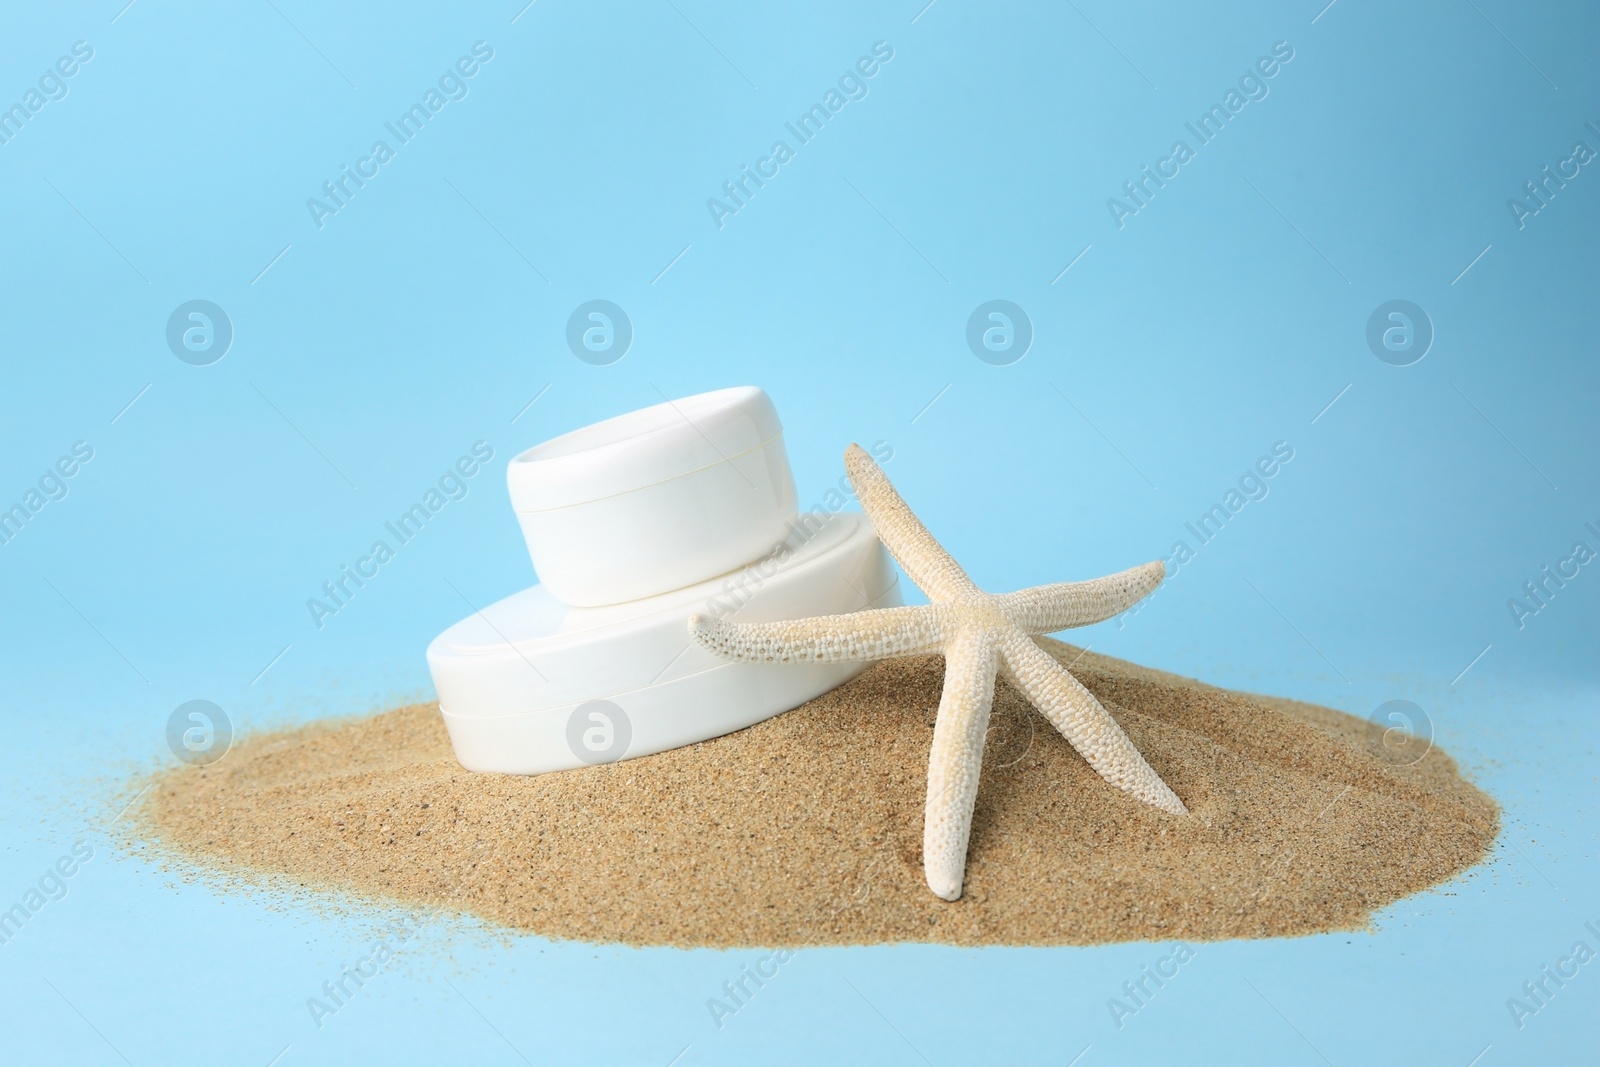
(806, 829)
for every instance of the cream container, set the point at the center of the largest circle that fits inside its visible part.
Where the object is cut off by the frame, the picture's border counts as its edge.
(531, 684)
(655, 500)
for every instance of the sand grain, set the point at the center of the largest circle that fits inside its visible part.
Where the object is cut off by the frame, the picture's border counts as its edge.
(806, 829)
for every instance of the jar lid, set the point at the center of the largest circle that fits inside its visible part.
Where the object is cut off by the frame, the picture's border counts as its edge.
(642, 448)
(531, 651)
(521, 683)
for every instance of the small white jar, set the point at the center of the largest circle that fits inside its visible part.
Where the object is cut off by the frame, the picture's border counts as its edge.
(657, 499)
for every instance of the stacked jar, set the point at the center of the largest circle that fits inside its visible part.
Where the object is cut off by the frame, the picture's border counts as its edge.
(635, 524)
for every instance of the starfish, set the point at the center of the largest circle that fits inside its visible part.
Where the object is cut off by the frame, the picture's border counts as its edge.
(981, 635)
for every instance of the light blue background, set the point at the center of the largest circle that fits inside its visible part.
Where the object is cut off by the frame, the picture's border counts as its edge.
(424, 316)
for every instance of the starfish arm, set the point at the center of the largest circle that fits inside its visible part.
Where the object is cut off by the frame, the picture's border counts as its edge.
(881, 633)
(902, 533)
(1090, 729)
(956, 760)
(1044, 609)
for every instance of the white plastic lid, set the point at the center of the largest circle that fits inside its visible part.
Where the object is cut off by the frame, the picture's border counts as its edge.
(549, 654)
(530, 685)
(642, 448)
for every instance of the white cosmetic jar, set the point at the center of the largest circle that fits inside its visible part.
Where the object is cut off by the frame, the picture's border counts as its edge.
(657, 499)
(530, 685)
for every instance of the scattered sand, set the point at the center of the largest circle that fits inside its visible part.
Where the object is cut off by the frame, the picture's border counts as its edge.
(806, 829)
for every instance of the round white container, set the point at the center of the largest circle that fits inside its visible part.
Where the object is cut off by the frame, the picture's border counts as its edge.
(657, 499)
(531, 685)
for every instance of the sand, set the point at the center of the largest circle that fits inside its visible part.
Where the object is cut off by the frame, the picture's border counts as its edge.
(806, 829)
